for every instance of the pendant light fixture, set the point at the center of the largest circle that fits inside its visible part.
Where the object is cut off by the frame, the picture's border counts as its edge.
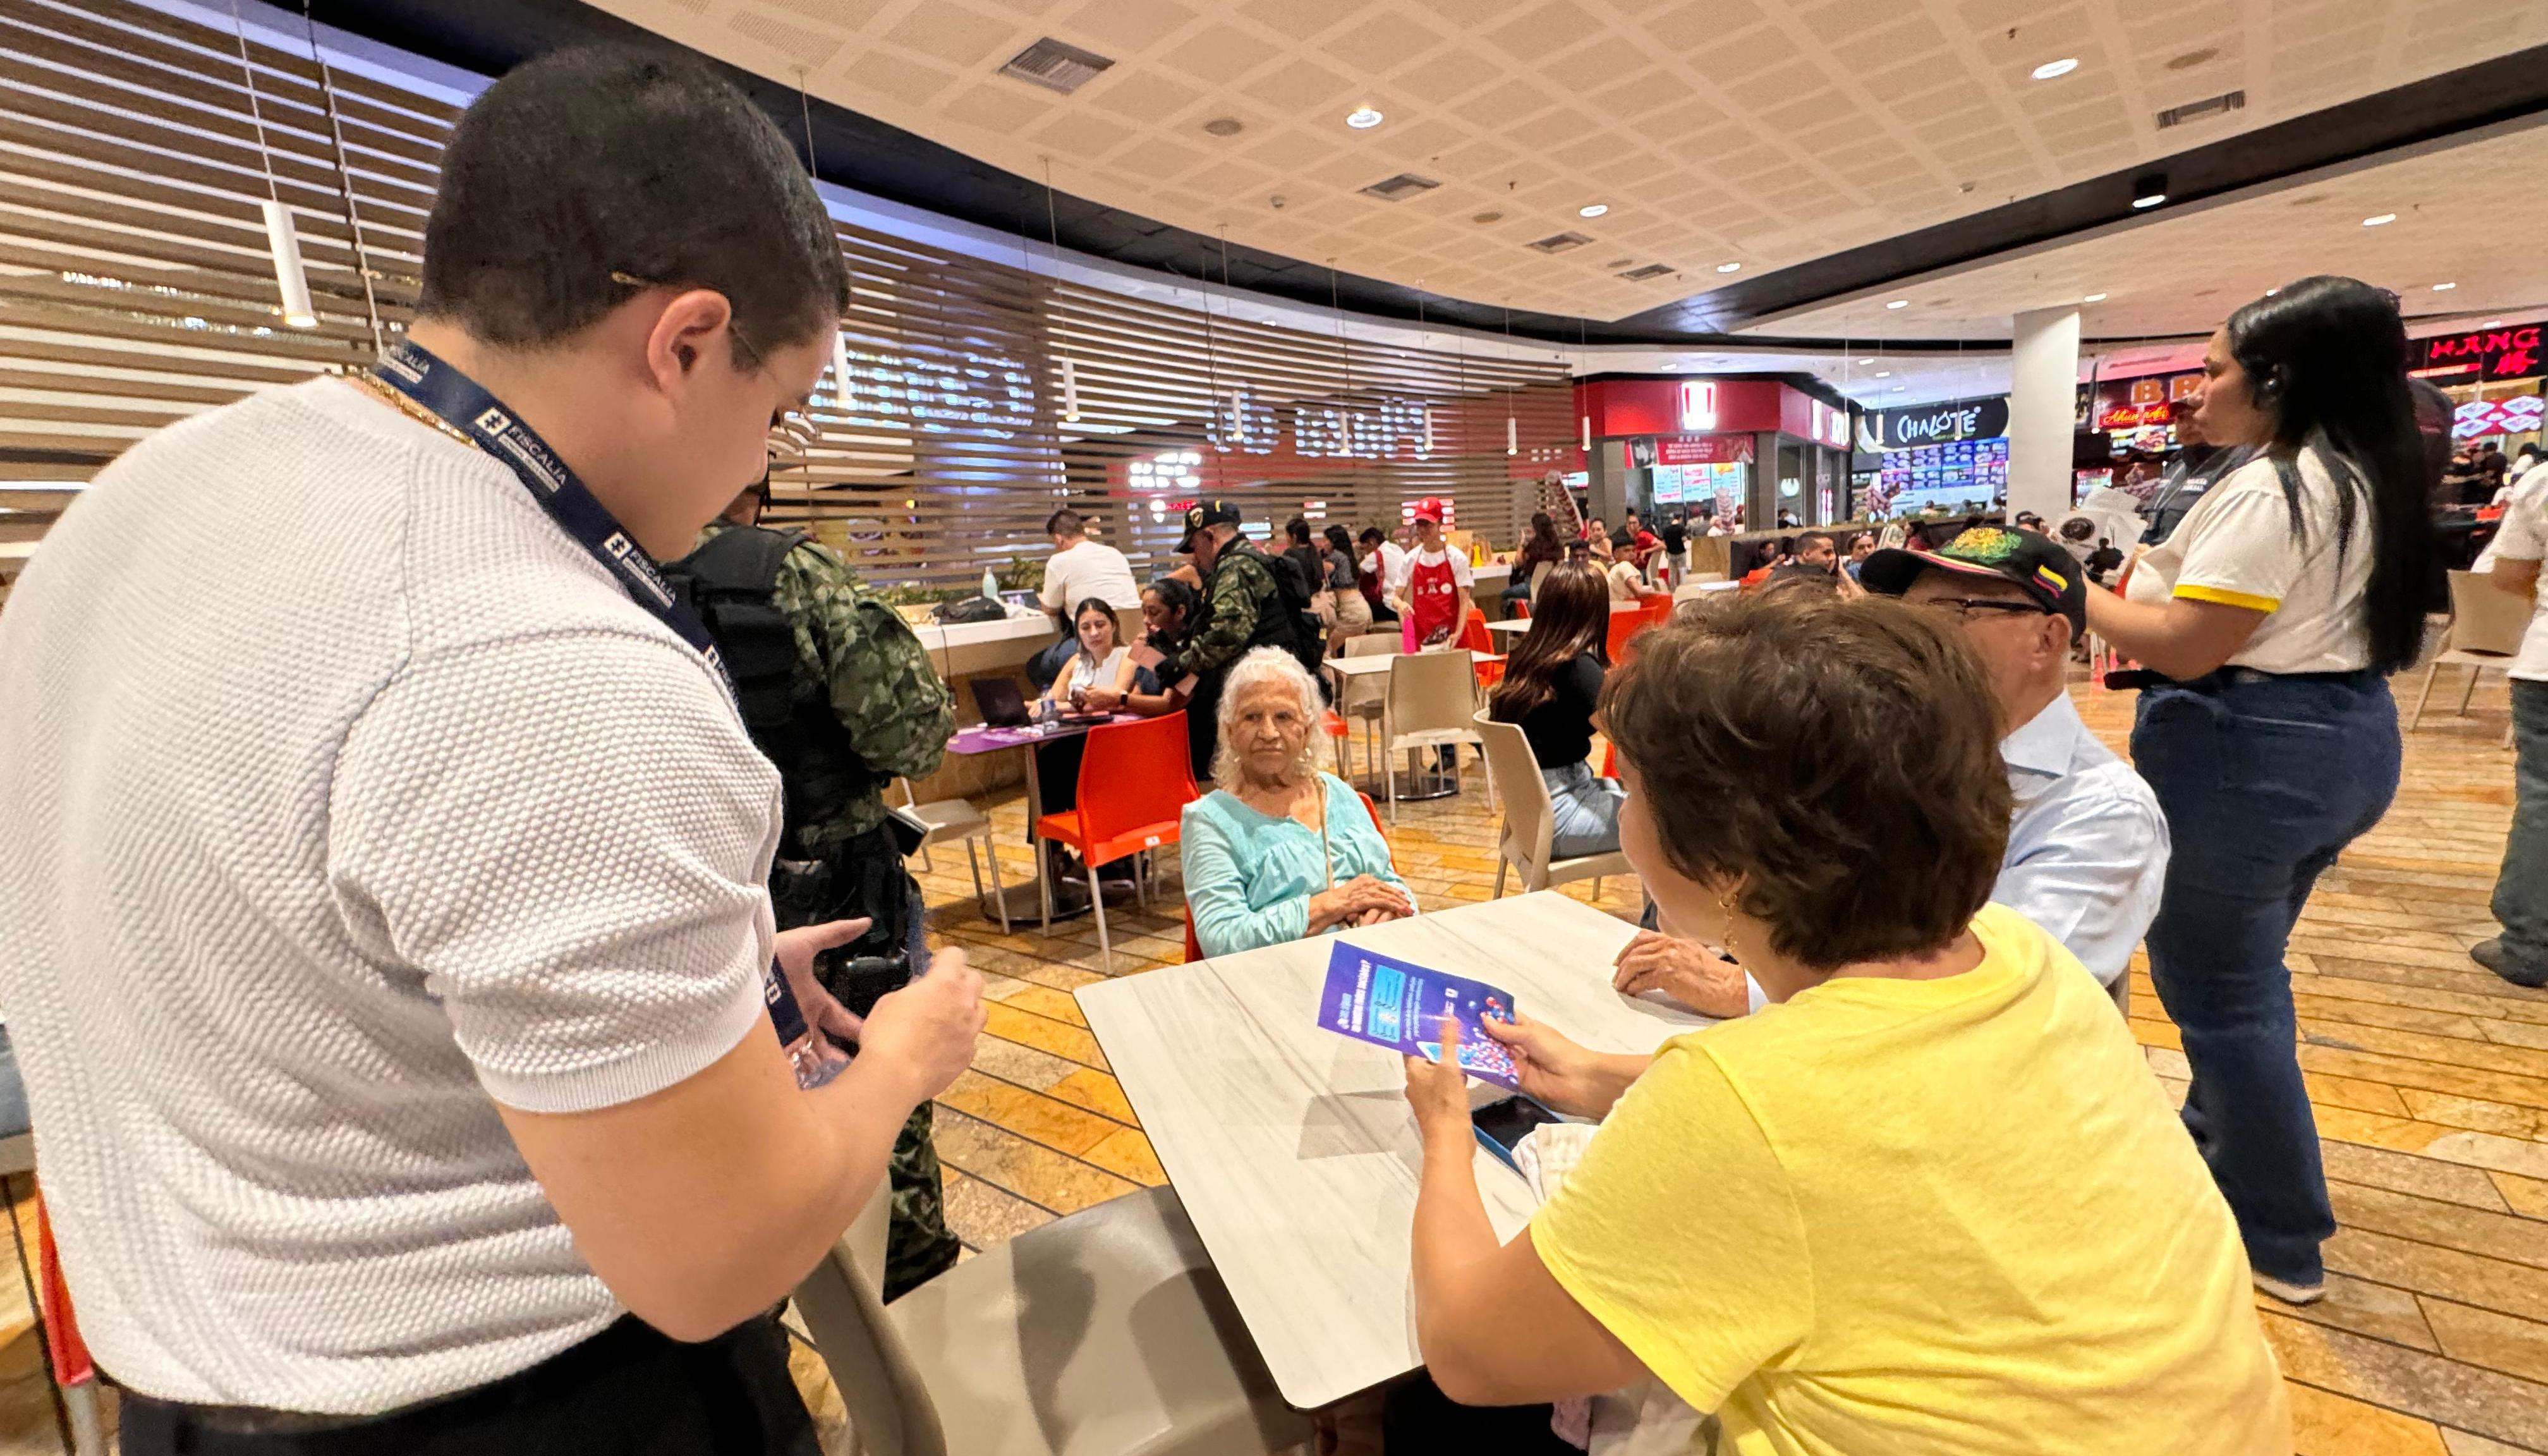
(1513, 431)
(281, 239)
(1218, 438)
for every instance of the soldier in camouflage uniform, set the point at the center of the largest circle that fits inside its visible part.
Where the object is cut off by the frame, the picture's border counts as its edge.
(1243, 609)
(857, 657)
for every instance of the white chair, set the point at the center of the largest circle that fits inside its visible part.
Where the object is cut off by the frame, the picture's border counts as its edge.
(1432, 701)
(1539, 573)
(1363, 697)
(959, 819)
(1106, 1333)
(2487, 626)
(1529, 821)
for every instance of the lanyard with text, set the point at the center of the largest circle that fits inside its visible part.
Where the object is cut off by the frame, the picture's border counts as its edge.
(461, 403)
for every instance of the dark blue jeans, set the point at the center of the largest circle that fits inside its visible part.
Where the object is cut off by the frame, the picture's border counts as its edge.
(2263, 780)
(2521, 890)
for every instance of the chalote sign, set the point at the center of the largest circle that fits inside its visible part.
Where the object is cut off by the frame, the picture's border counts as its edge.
(1933, 424)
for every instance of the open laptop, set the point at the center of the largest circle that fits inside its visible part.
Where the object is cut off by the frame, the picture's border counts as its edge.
(1002, 701)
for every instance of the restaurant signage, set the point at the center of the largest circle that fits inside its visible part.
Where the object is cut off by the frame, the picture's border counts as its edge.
(1703, 449)
(2134, 417)
(2508, 352)
(1934, 425)
(2519, 415)
(1698, 404)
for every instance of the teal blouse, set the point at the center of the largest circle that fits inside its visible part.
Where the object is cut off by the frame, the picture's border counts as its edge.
(1249, 877)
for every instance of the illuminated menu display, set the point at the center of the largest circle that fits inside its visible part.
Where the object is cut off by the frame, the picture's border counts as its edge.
(1947, 476)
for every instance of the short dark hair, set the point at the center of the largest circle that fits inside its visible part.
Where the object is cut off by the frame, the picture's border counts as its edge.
(1371, 533)
(1065, 522)
(1810, 537)
(1840, 759)
(597, 164)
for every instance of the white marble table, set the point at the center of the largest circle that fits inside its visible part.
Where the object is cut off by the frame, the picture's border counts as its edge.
(1292, 1147)
(1377, 664)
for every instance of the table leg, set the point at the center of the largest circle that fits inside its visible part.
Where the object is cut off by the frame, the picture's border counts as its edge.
(1028, 901)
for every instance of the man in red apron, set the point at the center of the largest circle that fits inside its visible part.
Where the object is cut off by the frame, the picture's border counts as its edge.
(1435, 591)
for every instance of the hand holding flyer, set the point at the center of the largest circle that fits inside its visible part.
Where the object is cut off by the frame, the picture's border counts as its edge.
(1390, 1003)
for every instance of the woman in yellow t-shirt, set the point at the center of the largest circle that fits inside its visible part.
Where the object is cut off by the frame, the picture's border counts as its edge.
(1929, 1201)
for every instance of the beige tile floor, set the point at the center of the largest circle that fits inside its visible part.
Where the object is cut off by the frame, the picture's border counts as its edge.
(2429, 1076)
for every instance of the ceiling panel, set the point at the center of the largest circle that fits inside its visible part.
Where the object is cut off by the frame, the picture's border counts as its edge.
(1823, 126)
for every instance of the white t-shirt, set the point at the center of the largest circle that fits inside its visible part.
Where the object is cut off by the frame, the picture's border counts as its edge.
(1387, 562)
(1084, 569)
(2523, 536)
(2236, 546)
(346, 797)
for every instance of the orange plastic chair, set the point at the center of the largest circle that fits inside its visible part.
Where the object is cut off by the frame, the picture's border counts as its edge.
(1194, 948)
(1134, 782)
(1623, 625)
(1473, 638)
(1659, 610)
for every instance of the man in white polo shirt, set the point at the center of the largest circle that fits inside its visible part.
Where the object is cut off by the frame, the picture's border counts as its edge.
(2521, 954)
(387, 939)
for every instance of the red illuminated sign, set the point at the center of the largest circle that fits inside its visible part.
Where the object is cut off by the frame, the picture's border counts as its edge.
(2134, 417)
(1703, 449)
(1698, 403)
(2490, 353)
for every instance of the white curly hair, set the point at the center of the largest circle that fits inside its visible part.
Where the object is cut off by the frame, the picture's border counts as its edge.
(1258, 667)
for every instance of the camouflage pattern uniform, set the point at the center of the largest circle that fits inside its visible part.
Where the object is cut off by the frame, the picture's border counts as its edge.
(1243, 608)
(858, 653)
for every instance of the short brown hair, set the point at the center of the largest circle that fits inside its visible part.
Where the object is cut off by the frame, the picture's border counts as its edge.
(1840, 759)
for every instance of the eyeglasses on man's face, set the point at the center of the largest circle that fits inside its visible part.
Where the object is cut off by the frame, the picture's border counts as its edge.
(1981, 608)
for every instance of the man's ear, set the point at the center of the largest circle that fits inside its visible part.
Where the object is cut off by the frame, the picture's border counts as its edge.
(691, 322)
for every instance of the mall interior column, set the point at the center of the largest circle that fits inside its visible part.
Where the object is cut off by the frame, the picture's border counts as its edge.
(2042, 411)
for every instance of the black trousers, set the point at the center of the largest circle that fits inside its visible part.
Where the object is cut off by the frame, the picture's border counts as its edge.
(628, 1390)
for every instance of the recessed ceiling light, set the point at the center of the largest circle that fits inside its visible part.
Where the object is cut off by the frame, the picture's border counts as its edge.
(1884, 374)
(2149, 190)
(1482, 219)
(2094, 298)
(2382, 220)
(1729, 267)
(1865, 361)
(1593, 210)
(2051, 68)
(2444, 287)
(1363, 118)
(1899, 303)
(2492, 323)
(1897, 389)
(1224, 125)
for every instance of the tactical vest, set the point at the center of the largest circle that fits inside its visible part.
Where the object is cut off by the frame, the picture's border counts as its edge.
(732, 582)
(1284, 618)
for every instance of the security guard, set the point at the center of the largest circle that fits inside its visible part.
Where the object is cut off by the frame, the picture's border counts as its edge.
(1247, 606)
(840, 695)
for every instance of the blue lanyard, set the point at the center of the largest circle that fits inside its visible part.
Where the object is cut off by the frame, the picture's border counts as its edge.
(463, 403)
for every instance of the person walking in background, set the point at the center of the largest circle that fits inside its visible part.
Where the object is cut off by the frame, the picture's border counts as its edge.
(1676, 538)
(841, 697)
(1552, 686)
(410, 1083)
(2269, 623)
(2519, 953)
(1344, 585)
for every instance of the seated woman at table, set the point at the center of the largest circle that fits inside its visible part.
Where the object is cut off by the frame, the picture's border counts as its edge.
(1929, 1199)
(1280, 851)
(1168, 609)
(1552, 683)
(1102, 661)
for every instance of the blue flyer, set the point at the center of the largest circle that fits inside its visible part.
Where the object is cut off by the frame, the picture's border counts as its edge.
(1390, 1003)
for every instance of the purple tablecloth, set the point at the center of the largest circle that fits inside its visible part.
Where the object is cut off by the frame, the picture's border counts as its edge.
(982, 737)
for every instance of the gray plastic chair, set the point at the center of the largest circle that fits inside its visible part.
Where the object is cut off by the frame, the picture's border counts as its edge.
(1106, 1333)
(1529, 823)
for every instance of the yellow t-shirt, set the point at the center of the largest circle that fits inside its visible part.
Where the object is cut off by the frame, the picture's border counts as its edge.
(1949, 1218)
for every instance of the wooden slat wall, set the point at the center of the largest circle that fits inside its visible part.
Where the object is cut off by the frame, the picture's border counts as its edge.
(136, 289)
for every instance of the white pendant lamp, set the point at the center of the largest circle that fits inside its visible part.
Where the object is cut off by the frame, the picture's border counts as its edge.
(281, 239)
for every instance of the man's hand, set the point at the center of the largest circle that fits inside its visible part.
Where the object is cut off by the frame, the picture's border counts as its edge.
(1438, 1091)
(924, 1033)
(797, 951)
(1708, 985)
(1565, 1077)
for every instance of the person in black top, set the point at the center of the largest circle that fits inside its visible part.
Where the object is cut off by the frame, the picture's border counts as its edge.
(1552, 683)
(1675, 534)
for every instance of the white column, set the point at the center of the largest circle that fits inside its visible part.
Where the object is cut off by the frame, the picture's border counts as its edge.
(2042, 409)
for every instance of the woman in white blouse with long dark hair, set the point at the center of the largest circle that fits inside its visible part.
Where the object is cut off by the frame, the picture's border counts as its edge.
(2270, 621)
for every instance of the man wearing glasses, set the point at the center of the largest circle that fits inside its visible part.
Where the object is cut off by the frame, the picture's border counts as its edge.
(2087, 848)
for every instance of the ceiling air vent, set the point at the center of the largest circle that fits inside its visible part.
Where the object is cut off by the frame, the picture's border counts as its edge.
(1400, 188)
(1056, 65)
(1651, 270)
(1557, 242)
(2210, 106)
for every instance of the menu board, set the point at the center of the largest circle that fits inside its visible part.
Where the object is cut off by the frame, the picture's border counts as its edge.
(1948, 477)
(1668, 480)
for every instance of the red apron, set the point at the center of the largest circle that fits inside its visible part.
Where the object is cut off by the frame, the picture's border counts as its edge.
(1434, 605)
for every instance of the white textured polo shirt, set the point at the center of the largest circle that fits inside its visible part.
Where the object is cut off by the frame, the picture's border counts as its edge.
(348, 797)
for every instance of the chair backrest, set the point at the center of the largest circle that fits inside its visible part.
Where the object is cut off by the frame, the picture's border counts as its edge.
(843, 1304)
(1379, 824)
(1659, 609)
(1623, 625)
(1473, 635)
(1359, 691)
(2484, 618)
(1135, 775)
(1431, 691)
(1529, 823)
(1539, 573)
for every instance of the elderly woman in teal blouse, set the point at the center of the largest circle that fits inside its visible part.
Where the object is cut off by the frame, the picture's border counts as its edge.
(1278, 850)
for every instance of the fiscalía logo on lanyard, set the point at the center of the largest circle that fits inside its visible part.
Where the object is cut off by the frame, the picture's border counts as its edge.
(463, 403)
